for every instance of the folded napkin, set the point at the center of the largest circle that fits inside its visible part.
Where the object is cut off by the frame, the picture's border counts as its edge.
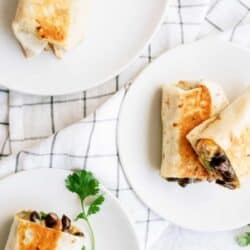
(74, 132)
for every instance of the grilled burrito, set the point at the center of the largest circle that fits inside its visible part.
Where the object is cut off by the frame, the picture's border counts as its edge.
(56, 24)
(223, 143)
(32, 230)
(184, 106)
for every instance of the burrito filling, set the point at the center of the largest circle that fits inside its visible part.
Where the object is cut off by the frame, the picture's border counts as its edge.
(217, 163)
(51, 220)
(183, 182)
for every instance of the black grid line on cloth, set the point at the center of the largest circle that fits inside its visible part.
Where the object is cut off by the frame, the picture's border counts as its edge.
(188, 5)
(4, 155)
(53, 142)
(150, 220)
(146, 57)
(186, 23)
(84, 98)
(213, 24)
(67, 155)
(10, 148)
(243, 5)
(239, 23)
(4, 145)
(89, 141)
(6, 91)
(17, 161)
(121, 189)
(147, 228)
(179, 6)
(5, 125)
(117, 83)
(64, 101)
(29, 139)
(212, 7)
(99, 121)
(149, 53)
(52, 114)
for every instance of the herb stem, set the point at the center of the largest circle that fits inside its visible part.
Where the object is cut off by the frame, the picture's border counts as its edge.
(92, 236)
(83, 208)
(85, 185)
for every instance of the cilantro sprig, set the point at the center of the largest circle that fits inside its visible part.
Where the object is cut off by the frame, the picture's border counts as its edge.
(86, 186)
(244, 239)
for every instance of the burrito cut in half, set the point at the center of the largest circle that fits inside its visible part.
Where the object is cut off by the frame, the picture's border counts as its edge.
(32, 230)
(44, 24)
(223, 143)
(184, 106)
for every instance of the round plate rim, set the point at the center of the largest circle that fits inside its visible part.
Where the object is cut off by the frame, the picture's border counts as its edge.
(102, 188)
(99, 83)
(207, 41)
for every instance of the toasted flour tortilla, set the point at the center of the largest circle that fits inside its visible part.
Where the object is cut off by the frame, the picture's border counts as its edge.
(223, 142)
(56, 24)
(184, 106)
(27, 235)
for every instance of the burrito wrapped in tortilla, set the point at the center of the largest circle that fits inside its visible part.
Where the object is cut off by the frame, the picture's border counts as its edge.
(32, 230)
(223, 143)
(184, 106)
(56, 24)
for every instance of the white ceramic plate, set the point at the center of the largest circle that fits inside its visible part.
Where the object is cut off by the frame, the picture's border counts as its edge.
(117, 32)
(203, 206)
(45, 190)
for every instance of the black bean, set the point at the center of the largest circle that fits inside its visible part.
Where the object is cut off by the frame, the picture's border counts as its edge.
(222, 165)
(227, 176)
(184, 182)
(35, 216)
(172, 179)
(226, 184)
(66, 223)
(79, 234)
(218, 159)
(51, 220)
(220, 182)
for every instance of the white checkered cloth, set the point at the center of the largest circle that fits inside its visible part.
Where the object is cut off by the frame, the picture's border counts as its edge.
(52, 132)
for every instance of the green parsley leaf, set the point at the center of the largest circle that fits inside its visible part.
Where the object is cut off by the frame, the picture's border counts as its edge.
(244, 239)
(43, 215)
(80, 216)
(83, 183)
(95, 205)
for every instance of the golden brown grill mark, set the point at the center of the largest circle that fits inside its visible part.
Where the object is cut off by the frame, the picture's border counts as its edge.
(42, 238)
(196, 109)
(52, 18)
